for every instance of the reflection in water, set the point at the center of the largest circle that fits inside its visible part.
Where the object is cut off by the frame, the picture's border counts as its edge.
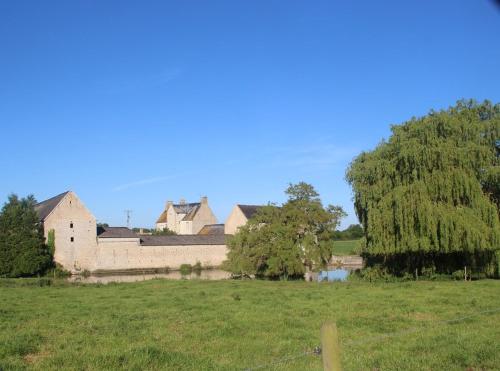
(209, 274)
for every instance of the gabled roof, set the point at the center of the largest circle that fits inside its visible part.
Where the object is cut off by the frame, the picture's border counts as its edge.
(192, 212)
(189, 210)
(249, 210)
(44, 208)
(185, 239)
(186, 208)
(115, 232)
(212, 229)
(163, 217)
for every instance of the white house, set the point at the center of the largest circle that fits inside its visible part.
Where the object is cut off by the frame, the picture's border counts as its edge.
(186, 218)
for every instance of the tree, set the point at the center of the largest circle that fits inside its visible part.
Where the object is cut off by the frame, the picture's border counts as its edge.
(280, 242)
(22, 248)
(353, 232)
(429, 196)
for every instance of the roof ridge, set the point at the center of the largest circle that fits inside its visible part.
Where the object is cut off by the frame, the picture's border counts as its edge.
(45, 208)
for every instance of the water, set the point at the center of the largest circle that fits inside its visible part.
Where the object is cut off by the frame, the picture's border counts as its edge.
(339, 274)
(209, 274)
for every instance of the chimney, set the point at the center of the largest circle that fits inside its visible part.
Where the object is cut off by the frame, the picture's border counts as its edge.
(182, 201)
(204, 200)
(169, 203)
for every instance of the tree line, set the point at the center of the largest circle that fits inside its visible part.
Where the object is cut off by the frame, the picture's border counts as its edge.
(428, 199)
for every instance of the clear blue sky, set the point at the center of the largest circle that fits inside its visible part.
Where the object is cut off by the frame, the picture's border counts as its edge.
(133, 103)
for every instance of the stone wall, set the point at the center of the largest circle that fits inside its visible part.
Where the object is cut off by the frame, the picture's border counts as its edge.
(131, 255)
(78, 248)
(75, 233)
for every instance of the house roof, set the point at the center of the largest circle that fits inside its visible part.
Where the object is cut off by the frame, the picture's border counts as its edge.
(192, 212)
(212, 229)
(249, 210)
(44, 208)
(186, 208)
(180, 240)
(163, 217)
(115, 232)
(189, 209)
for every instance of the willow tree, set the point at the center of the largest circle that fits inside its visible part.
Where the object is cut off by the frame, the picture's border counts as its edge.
(429, 196)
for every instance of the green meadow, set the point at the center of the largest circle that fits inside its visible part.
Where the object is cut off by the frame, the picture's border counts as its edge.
(238, 325)
(347, 247)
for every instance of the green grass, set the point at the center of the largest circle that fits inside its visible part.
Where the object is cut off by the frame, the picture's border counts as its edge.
(345, 247)
(231, 325)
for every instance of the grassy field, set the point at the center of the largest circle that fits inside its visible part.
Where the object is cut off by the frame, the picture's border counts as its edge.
(345, 247)
(231, 325)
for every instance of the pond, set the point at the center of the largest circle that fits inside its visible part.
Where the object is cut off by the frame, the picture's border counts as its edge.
(209, 274)
(338, 274)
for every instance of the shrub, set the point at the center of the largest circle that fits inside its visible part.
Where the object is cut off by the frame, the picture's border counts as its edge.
(458, 275)
(85, 273)
(186, 269)
(197, 268)
(58, 272)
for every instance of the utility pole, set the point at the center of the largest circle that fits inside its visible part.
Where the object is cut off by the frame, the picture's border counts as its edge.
(128, 213)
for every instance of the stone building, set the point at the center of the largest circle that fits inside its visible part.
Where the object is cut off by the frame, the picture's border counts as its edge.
(186, 218)
(74, 229)
(81, 245)
(239, 216)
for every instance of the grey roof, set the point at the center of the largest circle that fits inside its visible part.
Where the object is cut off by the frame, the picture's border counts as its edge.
(44, 208)
(212, 229)
(192, 213)
(115, 232)
(249, 210)
(190, 209)
(180, 240)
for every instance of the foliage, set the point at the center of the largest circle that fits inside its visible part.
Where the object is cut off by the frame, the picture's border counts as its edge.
(171, 325)
(102, 225)
(280, 242)
(22, 248)
(351, 247)
(163, 232)
(197, 268)
(186, 269)
(429, 196)
(353, 232)
(58, 272)
(51, 242)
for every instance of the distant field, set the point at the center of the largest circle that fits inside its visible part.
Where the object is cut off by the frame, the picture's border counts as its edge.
(235, 325)
(345, 247)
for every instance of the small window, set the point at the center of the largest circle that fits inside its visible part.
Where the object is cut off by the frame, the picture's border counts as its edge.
(72, 239)
(71, 225)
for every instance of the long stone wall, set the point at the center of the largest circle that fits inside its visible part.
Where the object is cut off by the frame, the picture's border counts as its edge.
(123, 255)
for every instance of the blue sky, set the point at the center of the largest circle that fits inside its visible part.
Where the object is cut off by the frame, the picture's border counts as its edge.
(132, 103)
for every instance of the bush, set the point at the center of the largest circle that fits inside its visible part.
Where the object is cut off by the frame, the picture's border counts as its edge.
(58, 272)
(429, 273)
(458, 275)
(373, 274)
(197, 268)
(186, 269)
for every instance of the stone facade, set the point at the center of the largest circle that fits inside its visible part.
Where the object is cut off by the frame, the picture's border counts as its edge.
(186, 218)
(74, 230)
(238, 217)
(78, 246)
